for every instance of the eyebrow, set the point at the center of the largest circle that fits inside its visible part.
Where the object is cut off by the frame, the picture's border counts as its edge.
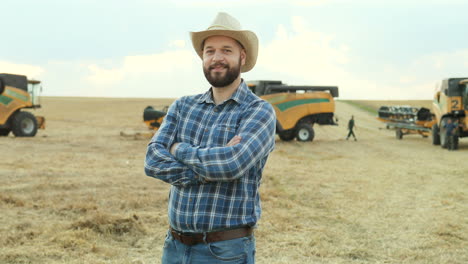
(224, 47)
(238, 42)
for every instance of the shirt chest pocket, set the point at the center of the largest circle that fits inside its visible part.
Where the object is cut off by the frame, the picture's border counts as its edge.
(221, 134)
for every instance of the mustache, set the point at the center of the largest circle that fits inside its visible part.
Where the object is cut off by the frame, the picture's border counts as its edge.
(217, 65)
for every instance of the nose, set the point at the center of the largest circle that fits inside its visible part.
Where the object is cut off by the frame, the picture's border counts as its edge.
(218, 56)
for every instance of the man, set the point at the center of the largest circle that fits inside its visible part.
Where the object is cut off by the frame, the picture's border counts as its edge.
(350, 128)
(212, 149)
(450, 134)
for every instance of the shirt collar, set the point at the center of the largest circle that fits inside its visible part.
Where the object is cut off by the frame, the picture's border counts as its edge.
(238, 96)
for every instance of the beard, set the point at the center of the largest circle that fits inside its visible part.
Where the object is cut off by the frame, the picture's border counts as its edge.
(217, 79)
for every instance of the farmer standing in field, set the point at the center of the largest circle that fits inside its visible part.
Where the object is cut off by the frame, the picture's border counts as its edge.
(212, 149)
(350, 128)
(450, 133)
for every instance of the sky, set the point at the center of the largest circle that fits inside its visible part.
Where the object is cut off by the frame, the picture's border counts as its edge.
(370, 49)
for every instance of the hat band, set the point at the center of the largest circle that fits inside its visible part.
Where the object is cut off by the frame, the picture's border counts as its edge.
(220, 27)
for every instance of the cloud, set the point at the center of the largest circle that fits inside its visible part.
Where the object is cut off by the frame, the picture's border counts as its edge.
(99, 76)
(300, 55)
(168, 74)
(310, 56)
(250, 3)
(178, 43)
(31, 71)
(453, 64)
(303, 52)
(309, 3)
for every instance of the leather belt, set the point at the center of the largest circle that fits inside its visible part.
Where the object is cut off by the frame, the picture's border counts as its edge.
(191, 239)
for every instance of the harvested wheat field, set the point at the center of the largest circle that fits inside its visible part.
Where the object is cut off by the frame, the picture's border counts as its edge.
(77, 193)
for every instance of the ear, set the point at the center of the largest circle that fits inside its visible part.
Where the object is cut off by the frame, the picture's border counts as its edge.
(243, 57)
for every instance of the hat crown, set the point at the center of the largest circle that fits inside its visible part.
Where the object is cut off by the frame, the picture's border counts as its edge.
(228, 26)
(225, 21)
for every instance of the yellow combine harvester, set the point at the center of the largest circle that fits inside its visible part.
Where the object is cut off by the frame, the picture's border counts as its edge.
(450, 102)
(153, 118)
(18, 93)
(297, 108)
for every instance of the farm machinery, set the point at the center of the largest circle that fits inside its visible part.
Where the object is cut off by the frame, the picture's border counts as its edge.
(153, 118)
(450, 103)
(297, 108)
(407, 120)
(18, 93)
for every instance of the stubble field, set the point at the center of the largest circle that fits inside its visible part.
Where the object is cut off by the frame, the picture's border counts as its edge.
(77, 193)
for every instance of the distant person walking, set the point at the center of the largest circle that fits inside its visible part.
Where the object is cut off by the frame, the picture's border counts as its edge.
(350, 128)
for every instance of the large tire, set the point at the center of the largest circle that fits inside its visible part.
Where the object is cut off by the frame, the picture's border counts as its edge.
(24, 124)
(4, 132)
(286, 135)
(2, 85)
(455, 142)
(435, 135)
(442, 133)
(305, 132)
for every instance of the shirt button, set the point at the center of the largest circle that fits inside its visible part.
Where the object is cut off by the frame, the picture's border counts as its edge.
(216, 110)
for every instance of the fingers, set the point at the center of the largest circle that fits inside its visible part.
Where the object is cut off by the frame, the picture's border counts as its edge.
(173, 148)
(234, 141)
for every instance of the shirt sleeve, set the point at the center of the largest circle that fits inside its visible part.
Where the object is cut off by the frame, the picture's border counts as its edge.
(159, 162)
(257, 132)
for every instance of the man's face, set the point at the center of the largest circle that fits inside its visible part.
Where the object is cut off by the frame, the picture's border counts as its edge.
(222, 60)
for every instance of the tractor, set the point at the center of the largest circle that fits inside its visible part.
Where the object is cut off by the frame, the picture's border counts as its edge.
(297, 108)
(450, 102)
(16, 94)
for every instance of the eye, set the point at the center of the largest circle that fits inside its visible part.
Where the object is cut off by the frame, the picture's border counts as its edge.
(227, 51)
(209, 51)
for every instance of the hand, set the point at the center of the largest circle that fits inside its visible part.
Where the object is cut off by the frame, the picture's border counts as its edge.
(173, 148)
(234, 141)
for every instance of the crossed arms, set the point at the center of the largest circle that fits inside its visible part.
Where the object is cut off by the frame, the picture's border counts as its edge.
(189, 165)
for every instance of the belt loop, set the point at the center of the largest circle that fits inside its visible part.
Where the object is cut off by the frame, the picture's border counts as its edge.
(204, 238)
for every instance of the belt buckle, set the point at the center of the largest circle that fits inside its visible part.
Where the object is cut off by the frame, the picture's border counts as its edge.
(185, 238)
(188, 240)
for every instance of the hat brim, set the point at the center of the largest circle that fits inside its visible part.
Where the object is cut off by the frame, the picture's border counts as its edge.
(247, 38)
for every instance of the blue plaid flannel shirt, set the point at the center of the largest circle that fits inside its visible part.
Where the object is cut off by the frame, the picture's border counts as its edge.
(213, 186)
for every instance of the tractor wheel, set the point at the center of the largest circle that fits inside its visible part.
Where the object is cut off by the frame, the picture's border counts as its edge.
(443, 138)
(455, 142)
(287, 135)
(24, 124)
(399, 134)
(4, 132)
(435, 135)
(305, 132)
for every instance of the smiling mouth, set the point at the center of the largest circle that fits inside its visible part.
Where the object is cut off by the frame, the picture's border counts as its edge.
(218, 67)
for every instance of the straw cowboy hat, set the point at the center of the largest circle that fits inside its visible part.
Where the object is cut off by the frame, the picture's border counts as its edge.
(226, 25)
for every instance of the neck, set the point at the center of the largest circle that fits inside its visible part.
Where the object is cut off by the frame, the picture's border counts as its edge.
(221, 94)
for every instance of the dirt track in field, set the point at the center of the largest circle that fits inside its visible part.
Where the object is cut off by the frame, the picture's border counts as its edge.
(76, 193)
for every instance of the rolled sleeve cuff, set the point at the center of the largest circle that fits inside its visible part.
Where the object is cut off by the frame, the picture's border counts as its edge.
(183, 151)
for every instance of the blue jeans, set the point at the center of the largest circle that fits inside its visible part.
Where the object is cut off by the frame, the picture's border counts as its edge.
(239, 250)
